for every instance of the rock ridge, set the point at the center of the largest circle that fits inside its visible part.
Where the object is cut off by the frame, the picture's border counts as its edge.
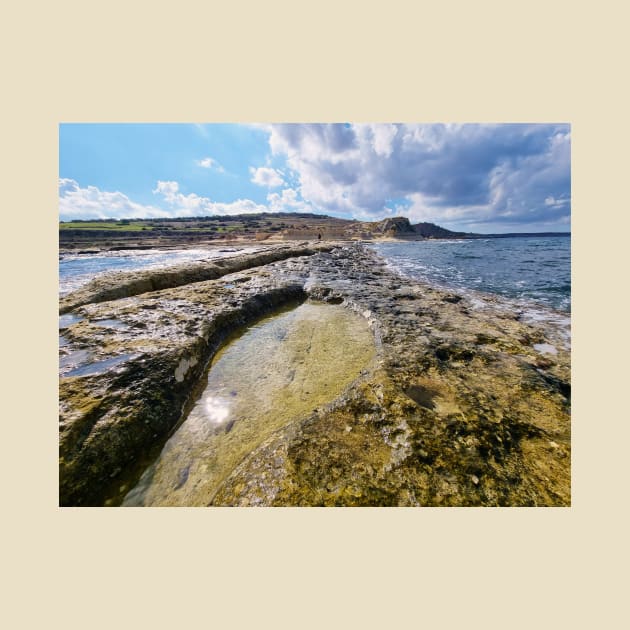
(113, 286)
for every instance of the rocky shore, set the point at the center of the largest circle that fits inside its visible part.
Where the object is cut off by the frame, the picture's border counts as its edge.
(458, 408)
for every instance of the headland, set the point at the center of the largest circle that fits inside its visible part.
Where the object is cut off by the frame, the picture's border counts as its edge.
(115, 235)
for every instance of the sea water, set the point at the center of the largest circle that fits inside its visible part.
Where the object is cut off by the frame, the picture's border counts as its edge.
(75, 270)
(529, 271)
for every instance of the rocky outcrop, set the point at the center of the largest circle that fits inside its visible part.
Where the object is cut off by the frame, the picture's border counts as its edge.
(400, 227)
(114, 286)
(459, 409)
(430, 230)
(109, 421)
(395, 226)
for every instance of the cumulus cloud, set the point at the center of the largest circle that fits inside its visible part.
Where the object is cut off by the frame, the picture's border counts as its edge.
(471, 177)
(264, 176)
(209, 162)
(192, 205)
(458, 174)
(91, 203)
(287, 201)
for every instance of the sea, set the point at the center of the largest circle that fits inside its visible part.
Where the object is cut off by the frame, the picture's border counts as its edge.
(527, 275)
(76, 270)
(527, 269)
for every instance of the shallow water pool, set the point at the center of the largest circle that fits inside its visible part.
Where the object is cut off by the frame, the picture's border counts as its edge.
(279, 370)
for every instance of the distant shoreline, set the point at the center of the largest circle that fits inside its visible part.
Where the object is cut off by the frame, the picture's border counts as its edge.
(117, 235)
(476, 237)
(522, 235)
(96, 247)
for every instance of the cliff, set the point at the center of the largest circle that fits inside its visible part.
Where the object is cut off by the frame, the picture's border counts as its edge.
(430, 230)
(400, 227)
(394, 226)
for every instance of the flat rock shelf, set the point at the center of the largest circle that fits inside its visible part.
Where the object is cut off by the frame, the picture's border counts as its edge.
(372, 389)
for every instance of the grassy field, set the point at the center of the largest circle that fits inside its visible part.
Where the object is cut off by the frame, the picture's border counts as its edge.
(107, 233)
(102, 225)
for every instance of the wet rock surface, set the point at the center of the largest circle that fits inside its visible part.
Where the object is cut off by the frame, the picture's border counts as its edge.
(113, 286)
(459, 407)
(278, 371)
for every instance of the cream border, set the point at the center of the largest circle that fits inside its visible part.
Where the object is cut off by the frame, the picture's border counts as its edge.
(281, 61)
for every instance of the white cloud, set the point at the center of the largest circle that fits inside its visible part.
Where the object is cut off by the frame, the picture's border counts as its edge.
(381, 137)
(168, 189)
(556, 203)
(269, 177)
(442, 173)
(91, 203)
(287, 201)
(458, 175)
(313, 142)
(209, 162)
(194, 205)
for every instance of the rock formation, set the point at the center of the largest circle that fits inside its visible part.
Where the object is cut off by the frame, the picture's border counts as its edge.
(459, 407)
(395, 226)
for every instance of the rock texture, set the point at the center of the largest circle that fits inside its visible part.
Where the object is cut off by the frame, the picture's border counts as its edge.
(395, 226)
(459, 408)
(113, 286)
(430, 230)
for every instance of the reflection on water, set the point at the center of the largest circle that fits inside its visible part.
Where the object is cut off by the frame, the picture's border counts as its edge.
(279, 370)
(98, 367)
(65, 321)
(76, 270)
(217, 409)
(72, 359)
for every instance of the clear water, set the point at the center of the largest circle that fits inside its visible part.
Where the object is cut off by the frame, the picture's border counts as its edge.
(79, 362)
(67, 320)
(278, 370)
(75, 270)
(98, 367)
(533, 271)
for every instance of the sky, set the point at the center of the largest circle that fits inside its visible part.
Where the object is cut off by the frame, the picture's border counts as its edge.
(464, 177)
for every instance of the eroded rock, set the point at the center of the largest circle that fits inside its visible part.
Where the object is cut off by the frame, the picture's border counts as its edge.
(460, 409)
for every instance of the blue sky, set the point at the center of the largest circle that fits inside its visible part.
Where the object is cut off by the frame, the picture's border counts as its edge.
(469, 177)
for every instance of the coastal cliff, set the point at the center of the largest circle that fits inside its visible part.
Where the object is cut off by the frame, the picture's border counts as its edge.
(401, 227)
